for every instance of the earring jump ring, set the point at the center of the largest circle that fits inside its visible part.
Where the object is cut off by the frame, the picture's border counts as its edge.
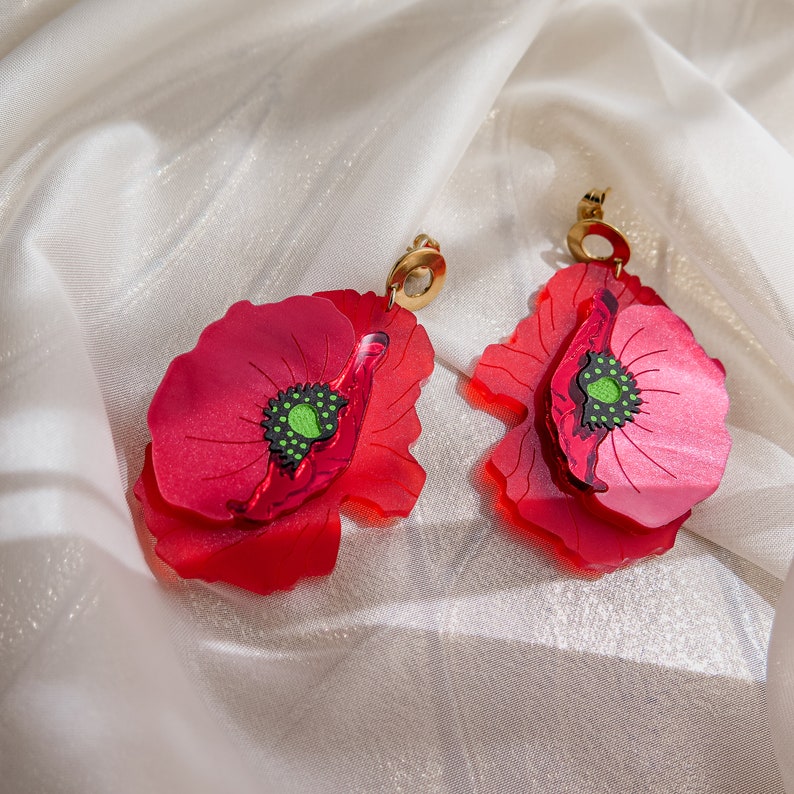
(422, 260)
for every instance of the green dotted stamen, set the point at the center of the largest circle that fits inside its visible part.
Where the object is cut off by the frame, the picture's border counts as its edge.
(293, 421)
(604, 392)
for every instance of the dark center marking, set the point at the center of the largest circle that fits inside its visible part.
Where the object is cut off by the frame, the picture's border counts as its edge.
(611, 396)
(298, 417)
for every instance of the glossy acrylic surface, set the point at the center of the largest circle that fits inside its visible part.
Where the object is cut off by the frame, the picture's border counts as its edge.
(563, 477)
(221, 503)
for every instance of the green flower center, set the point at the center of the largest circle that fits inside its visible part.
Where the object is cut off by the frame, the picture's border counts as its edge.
(604, 390)
(611, 396)
(303, 420)
(298, 418)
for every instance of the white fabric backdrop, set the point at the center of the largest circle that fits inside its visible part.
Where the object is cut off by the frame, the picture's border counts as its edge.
(161, 160)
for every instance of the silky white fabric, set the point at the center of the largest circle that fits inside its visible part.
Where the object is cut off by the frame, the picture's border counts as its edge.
(161, 160)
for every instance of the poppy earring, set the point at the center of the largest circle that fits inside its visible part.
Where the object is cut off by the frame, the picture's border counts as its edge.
(281, 414)
(622, 413)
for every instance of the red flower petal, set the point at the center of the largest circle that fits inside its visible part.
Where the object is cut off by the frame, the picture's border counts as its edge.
(208, 444)
(674, 453)
(517, 375)
(535, 500)
(579, 443)
(383, 474)
(260, 558)
(280, 492)
(282, 527)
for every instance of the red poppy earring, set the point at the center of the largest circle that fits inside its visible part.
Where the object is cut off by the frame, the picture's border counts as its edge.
(622, 413)
(279, 415)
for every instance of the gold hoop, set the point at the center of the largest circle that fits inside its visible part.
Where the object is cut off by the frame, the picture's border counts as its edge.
(590, 213)
(421, 260)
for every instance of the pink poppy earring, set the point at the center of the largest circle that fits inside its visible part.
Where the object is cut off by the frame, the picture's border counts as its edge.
(281, 414)
(622, 413)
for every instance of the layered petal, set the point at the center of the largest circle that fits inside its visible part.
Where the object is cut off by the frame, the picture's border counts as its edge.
(259, 557)
(673, 454)
(321, 392)
(526, 463)
(538, 500)
(205, 418)
(383, 474)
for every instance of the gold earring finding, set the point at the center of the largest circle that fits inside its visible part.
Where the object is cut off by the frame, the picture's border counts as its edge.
(590, 213)
(417, 276)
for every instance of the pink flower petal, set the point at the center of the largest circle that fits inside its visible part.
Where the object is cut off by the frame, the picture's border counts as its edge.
(534, 498)
(674, 453)
(525, 463)
(208, 444)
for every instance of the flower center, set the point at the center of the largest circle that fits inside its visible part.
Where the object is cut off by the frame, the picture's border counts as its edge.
(611, 393)
(605, 390)
(299, 417)
(303, 420)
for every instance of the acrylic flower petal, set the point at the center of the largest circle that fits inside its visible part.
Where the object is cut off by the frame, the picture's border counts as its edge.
(260, 558)
(517, 374)
(205, 418)
(322, 389)
(282, 490)
(673, 454)
(383, 474)
(578, 442)
(536, 500)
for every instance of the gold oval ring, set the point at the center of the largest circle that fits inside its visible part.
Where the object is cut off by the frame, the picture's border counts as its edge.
(422, 260)
(621, 251)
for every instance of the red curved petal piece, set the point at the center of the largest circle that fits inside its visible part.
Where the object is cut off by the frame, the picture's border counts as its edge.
(674, 453)
(259, 509)
(579, 443)
(260, 558)
(527, 464)
(383, 474)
